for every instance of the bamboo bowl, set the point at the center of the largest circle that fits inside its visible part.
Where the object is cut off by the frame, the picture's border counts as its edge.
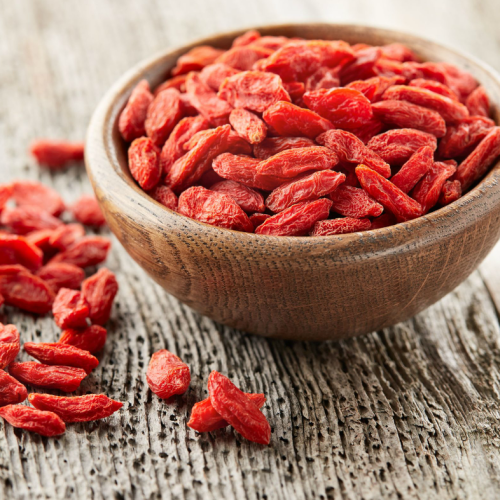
(312, 288)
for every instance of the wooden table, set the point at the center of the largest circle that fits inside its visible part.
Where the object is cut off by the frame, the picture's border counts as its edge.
(408, 412)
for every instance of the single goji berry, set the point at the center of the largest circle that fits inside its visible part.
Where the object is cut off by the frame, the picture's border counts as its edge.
(204, 418)
(24, 220)
(375, 87)
(99, 292)
(56, 154)
(214, 74)
(87, 251)
(61, 275)
(353, 202)
(91, 339)
(437, 87)
(247, 38)
(64, 378)
(340, 226)
(165, 196)
(76, 408)
(389, 68)
(247, 198)
(362, 67)
(304, 188)
(387, 194)
(295, 90)
(248, 125)
(163, 114)
(414, 169)
(323, 78)
(86, 210)
(35, 194)
(385, 220)
(66, 235)
(213, 208)
(272, 42)
(23, 417)
(9, 344)
(370, 129)
(236, 408)
(257, 219)
(243, 58)
(461, 82)
(196, 59)
(238, 168)
(398, 52)
(133, 116)
(176, 82)
(167, 374)
(70, 309)
(11, 391)
(61, 354)
(478, 103)
(274, 145)
(19, 250)
(451, 191)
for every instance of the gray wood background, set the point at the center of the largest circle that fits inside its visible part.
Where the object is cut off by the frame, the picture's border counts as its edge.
(408, 412)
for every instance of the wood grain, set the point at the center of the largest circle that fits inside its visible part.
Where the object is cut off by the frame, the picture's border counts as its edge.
(408, 412)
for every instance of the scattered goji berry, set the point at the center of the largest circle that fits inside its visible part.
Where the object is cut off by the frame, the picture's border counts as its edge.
(248, 125)
(61, 354)
(274, 145)
(165, 196)
(196, 59)
(87, 251)
(35, 194)
(19, 250)
(354, 202)
(452, 191)
(44, 423)
(214, 74)
(99, 292)
(247, 198)
(133, 116)
(70, 309)
(86, 210)
(11, 391)
(340, 226)
(91, 339)
(167, 374)
(56, 154)
(61, 275)
(9, 344)
(66, 235)
(414, 169)
(24, 220)
(478, 102)
(243, 58)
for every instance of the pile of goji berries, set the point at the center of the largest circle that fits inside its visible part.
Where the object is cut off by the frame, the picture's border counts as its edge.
(42, 269)
(290, 137)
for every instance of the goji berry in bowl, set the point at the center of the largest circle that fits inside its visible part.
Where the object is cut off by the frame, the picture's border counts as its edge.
(303, 288)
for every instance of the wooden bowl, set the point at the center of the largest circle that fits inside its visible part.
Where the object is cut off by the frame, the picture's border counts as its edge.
(289, 287)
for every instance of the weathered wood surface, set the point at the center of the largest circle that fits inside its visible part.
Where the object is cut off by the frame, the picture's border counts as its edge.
(410, 412)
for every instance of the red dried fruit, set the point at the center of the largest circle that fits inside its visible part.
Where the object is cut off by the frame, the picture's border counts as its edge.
(24, 290)
(204, 418)
(91, 339)
(462, 83)
(405, 115)
(296, 220)
(236, 408)
(11, 391)
(248, 125)
(213, 208)
(177, 82)
(322, 78)
(478, 103)
(23, 417)
(9, 345)
(437, 87)
(189, 168)
(70, 309)
(243, 58)
(165, 196)
(99, 292)
(253, 90)
(247, 38)
(167, 374)
(143, 162)
(414, 169)
(373, 88)
(56, 154)
(86, 252)
(133, 116)
(206, 101)
(290, 120)
(350, 149)
(452, 191)
(86, 210)
(362, 67)
(41, 240)
(35, 194)
(386, 193)
(397, 146)
(61, 354)
(345, 108)
(247, 198)
(368, 130)
(18, 250)
(385, 220)
(64, 378)
(5, 194)
(76, 408)
(451, 110)
(295, 90)
(389, 68)
(61, 275)
(196, 59)
(187, 105)
(340, 226)
(238, 168)
(354, 202)
(66, 235)
(478, 162)
(162, 116)
(274, 145)
(305, 188)
(398, 52)
(215, 74)
(258, 219)
(23, 220)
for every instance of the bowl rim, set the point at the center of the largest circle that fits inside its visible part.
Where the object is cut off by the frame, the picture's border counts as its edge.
(99, 140)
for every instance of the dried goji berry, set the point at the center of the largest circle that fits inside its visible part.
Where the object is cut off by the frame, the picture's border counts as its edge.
(9, 345)
(99, 292)
(66, 235)
(398, 52)
(433, 86)
(236, 408)
(478, 162)
(238, 168)
(414, 169)
(133, 116)
(354, 202)
(61, 354)
(64, 378)
(144, 162)
(385, 220)
(305, 188)
(163, 114)
(290, 120)
(274, 145)
(247, 198)
(165, 196)
(362, 67)
(398, 145)
(11, 391)
(452, 191)
(389, 195)
(70, 309)
(87, 251)
(204, 418)
(41, 240)
(61, 275)
(272, 42)
(23, 417)
(257, 219)
(461, 82)
(19, 250)
(86, 210)
(35, 194)
(389, 68)
(370, 129)
(247, 38)
(345, 108)
(322, 78)
(167, 374)
(56, 154)
(196, 59)
(296, 220)
(23, 220)
(248, 125)
(187, 105)
(176, 82)
(213, 208)
(243, 58)
(253, 90)
(340, 226)
(91, 339)
(5, 194)
(215, 74)
(478, 103)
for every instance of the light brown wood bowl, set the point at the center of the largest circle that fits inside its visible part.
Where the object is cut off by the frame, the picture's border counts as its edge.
(289, 287)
